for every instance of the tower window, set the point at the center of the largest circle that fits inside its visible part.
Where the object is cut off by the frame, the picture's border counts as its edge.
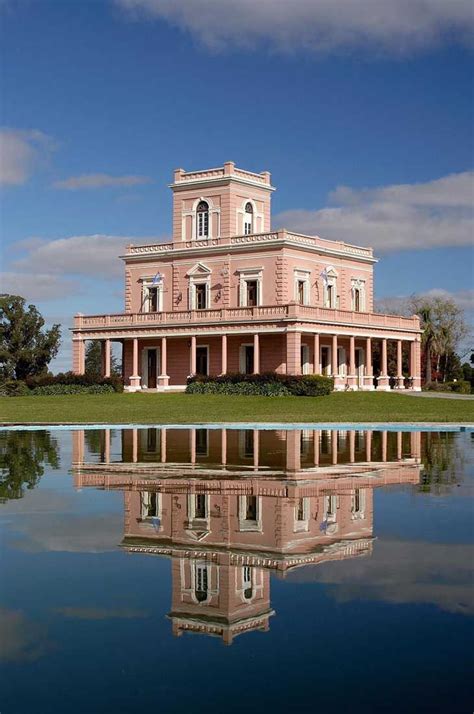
(248, 219)
(252, 288)
(200, 510)
(201, 576)
(357, 300)
(202, 213)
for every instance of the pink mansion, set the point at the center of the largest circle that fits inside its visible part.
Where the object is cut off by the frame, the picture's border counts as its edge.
(229, 294)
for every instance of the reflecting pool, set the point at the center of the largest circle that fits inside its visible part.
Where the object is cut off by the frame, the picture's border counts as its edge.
(229, 570)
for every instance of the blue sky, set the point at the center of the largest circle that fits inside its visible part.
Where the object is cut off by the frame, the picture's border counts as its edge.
(364, 119)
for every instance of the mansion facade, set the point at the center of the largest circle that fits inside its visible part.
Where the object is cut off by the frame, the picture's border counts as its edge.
(229, 294)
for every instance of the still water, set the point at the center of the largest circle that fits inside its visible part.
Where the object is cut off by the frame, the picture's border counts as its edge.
(214, 570)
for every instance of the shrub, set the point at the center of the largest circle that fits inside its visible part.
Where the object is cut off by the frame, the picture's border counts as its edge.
(13, 388)
(267, 384)
(69, 378)
(461, 386)
(51, 390)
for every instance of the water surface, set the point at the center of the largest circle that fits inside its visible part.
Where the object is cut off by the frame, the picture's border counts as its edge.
(213, 570)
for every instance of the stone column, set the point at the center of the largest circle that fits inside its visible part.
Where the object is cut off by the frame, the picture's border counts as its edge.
(135, 378)
(134, 445)
(163, 379)
(334, 446)
(316, 442)
(256, 354)
(107, 446)
(382, 381)
(163, 446)
(224, 354)
(400, 384)
(399, 445)
(192, 357)
(293, 353)
(192, 445)
(352, 377)
(415, 365)
(384, 446)
(223, 447)
(352, 436)
(369, 371)
(106, 359)
(316, 361)
(368, 446)
(78, 355)
(256, 448)
(338, 381)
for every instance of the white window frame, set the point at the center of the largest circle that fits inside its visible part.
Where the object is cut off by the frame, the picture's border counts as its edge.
(192, 508)
(341, 362)
(360, 513)
(330, 281)
(248, 524)
(303, 276)
(305, 360)
(144, 374)
(250, 275)
(147, 284)
(199, 215)
(145, 503)
(200, 274)
(258, 218)
(358, 284)
(248, 219)
(302, 525)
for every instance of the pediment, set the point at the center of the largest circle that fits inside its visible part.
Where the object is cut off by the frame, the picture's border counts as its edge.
(197, 535)
(199, 269)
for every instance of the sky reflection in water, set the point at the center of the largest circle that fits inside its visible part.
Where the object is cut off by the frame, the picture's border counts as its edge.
(337, 565)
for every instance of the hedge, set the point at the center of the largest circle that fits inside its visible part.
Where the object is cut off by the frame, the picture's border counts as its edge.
(55, 389)
(461, 386)
(63, 383)
(268, 385)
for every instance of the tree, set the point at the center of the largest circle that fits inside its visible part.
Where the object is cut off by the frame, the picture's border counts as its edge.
(25, 348)
(23, 457)
(443, 326)
(93, 363)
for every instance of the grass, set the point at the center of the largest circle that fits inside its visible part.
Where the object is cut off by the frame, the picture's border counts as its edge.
(198, 408)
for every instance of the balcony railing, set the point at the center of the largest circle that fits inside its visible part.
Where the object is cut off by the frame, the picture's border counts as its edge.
(255, 238)
(290, 311)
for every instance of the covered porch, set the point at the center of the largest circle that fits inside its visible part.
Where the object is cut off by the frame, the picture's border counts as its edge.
(356, 361)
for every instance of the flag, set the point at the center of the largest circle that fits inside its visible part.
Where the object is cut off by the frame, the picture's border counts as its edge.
(157, 279)
(324, 275)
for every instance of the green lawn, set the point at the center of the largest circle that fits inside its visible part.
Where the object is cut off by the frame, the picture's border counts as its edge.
(197, 408)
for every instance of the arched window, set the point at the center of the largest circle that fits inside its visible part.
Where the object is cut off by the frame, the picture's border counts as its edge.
(202, 220)
(356, 299)
(248, 219)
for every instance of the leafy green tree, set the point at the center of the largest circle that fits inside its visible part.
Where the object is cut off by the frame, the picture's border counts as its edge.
(23, 456)
(444, 328)
(93, 362)
(25, 348)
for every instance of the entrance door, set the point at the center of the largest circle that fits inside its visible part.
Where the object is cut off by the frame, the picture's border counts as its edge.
(248, 359)
(304, 359)
(202, 366)
(325, 360)
(151, 367)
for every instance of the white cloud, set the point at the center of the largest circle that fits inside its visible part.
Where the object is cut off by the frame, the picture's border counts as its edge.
(89, 255)
(21, 639)
(20, 152)
(91, 181)
(321, 26)
(402, 572)
(37, 286)
(398, 217)
(397, 304)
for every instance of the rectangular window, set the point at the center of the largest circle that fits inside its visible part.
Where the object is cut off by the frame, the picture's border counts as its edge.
(252, 292)
(300, 290)
(200, 510)
(300, 510)
(330, 293)
(357, 300)
(251, 509)
(201, 442)
(203, 224)
(201, 296)
(152, 299)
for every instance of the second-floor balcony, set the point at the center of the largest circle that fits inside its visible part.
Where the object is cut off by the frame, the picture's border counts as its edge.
(286, 313)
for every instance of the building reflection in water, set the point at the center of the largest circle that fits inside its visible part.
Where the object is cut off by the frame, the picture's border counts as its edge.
(231, 506)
